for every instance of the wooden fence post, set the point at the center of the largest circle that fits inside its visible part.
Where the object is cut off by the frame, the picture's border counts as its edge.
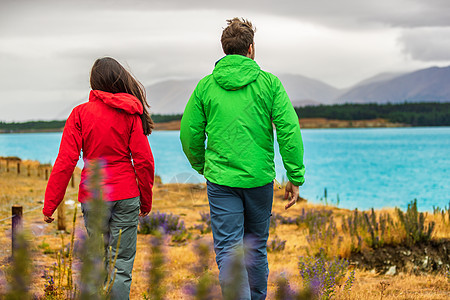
(7, 165)
(62, 216)
(46, 174)
(16, 224)
(28, 171)
(18, 168)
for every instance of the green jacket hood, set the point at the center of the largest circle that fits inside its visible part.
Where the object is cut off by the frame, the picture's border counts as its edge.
(235, 71)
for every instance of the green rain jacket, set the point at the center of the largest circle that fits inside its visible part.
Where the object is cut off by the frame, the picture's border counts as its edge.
(234, 108)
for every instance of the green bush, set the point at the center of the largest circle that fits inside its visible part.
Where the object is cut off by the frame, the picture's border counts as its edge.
(413, 223)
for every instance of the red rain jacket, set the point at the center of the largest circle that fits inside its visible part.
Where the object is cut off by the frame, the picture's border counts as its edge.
(109, 128)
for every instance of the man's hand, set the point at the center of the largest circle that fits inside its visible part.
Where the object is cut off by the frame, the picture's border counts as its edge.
(143, 214)
(48, 219)
(294, 191)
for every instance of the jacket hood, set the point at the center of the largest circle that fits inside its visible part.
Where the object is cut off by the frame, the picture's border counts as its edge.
(233, 72)
(124, 101)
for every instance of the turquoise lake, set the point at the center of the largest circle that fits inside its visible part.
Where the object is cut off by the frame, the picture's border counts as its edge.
(364, 168)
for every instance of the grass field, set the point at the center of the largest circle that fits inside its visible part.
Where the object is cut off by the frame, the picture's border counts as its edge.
(188, 201)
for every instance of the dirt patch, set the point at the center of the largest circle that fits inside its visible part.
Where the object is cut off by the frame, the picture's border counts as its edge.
(430, 257)
(172, 125)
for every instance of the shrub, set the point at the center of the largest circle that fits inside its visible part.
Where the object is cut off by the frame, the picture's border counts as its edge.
(168, 223)
(276, 245)
(205, 227)
(285, 292)
(311, 217)
(45, 247)
(180, 236)
(413, 223)
(323, 276)
(283, 220)
(322, 231)
(368, 228)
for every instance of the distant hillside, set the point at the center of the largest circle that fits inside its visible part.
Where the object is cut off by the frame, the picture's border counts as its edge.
(170, 96)
(306, 91)
(377, 78)
(427, 85)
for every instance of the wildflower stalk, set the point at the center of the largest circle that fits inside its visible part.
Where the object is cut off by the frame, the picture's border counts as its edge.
(156, 289)
(204, 287)
(349, 282)
(19, 273)
(61, 264)
(231, 289)
(72, 239)
(109, 283)
(92, 271)
(276, 245)
(283, 291)
(58, 266)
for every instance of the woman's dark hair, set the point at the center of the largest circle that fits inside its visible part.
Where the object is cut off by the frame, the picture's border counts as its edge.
(110, 76)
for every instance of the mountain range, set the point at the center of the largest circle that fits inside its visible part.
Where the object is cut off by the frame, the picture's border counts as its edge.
(425, 85)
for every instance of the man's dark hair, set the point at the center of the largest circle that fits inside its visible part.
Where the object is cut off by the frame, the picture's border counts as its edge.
(238, 36)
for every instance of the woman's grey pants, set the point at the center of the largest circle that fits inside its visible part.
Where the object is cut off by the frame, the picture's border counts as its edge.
(121, 214)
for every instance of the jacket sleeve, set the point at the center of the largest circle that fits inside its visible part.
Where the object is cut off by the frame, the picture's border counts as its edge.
(144, 164)
(288, 134)
(69, 153)
(192, 132)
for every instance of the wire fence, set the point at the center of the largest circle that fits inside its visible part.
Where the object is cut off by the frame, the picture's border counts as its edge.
(30, 210)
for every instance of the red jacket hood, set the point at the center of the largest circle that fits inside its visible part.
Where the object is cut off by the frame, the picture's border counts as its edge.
(124, 101)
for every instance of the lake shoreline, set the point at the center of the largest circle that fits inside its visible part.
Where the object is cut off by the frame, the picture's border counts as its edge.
(305, 123)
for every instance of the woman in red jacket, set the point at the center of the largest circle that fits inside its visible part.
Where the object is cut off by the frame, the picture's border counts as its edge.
(111, 127)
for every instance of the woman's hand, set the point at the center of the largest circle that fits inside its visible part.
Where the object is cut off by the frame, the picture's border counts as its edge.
(143, 214)
(48, 219)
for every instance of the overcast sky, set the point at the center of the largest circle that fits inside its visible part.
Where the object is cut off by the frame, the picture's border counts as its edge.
(48, 47)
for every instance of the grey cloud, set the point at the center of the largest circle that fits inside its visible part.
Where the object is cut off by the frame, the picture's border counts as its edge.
(427, 44)
(150, 61)
(402, 13)
(354, 14)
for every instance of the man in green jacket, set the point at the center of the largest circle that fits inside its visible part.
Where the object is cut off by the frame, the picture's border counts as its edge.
(234, 107)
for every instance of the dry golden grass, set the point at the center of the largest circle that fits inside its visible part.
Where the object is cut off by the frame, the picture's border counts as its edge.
(187, 201)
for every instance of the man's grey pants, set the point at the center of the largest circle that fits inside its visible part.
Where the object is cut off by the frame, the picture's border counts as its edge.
(121, 214)
(238, 216)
